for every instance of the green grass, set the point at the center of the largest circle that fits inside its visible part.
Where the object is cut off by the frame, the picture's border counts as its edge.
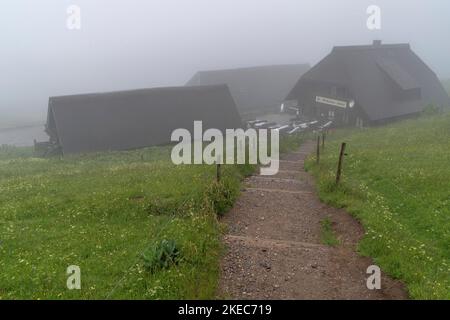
(101, 212)
(396, 181)
(327, 234)
(108, 213)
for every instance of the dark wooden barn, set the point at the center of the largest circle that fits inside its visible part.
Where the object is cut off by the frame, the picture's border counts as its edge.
(368, 85)
(134, 119)
(256, 89)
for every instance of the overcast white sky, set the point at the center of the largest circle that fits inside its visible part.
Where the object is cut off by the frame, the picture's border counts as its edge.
(126, 44)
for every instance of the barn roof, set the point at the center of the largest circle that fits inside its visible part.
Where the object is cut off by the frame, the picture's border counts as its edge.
(139, 118)
(255, 87)
(371, 72)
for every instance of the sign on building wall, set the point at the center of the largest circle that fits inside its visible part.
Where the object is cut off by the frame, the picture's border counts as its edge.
(332, 102)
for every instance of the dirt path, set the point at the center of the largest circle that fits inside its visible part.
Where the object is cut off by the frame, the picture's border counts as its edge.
(275, 249)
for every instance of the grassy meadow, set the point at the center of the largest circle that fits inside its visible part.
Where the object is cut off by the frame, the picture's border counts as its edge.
(396, 181)
(101, 212)
(117, 216)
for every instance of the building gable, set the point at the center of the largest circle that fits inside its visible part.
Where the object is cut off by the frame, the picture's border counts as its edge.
(387, 81)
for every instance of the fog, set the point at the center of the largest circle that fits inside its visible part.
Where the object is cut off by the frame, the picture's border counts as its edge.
(136, 44)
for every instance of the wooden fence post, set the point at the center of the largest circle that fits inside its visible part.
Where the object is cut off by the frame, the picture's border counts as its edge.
(318, 149)
(323, 140)
(218, 173)
(218, 168)
(341, 159)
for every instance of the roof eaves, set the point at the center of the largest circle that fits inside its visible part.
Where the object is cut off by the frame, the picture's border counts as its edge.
(372, 47)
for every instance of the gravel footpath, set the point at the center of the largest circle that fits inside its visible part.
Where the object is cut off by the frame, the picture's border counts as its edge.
(274, 248)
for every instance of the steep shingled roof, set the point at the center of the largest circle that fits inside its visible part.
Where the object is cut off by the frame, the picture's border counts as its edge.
(370, 72)
(138, 118)
(255, 87)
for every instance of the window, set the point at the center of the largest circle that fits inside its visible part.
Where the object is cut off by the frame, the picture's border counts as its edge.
(359, 122)
(331, 114)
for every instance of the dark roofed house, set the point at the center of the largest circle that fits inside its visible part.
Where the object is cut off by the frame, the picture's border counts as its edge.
(360, 85)
(134, 119)
(254, 89)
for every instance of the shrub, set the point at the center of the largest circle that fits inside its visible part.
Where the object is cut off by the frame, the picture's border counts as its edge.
(222, 196)
(161, 255)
